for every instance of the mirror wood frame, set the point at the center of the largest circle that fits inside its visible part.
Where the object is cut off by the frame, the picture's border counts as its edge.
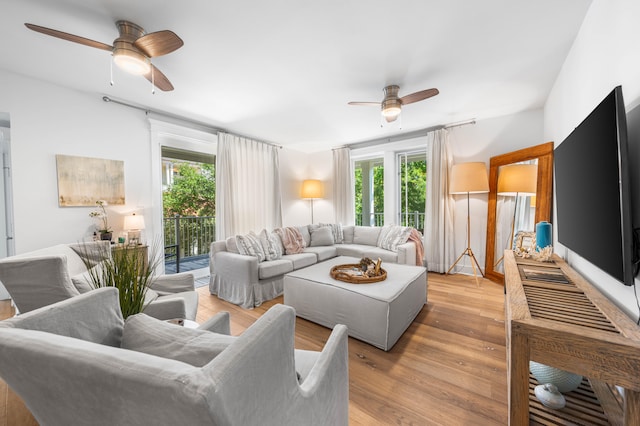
(544, 195)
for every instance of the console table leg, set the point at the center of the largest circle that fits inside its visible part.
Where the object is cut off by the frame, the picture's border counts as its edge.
(519, 380)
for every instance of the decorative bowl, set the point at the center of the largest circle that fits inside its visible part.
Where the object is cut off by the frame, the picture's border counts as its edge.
(563, 380)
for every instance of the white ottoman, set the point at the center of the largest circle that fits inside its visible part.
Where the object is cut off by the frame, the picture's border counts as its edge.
(376, 313)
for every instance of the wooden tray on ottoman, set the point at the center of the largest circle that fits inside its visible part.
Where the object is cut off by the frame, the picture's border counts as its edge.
(339, 272)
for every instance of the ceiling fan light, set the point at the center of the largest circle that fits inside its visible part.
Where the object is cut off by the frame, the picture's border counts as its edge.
(391, 112)
(131, 61)
(391, 109)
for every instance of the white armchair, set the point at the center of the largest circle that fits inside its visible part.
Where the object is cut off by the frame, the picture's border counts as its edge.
(56, 273)
(65, 362)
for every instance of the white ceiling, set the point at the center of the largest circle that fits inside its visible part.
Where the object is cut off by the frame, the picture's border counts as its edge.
(284, 70)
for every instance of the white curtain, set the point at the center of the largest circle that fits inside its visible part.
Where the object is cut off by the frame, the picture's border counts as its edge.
(343, 187)
(247, 186)
(438, 226)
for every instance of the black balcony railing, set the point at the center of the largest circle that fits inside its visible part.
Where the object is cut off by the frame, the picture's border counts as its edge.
(187, 237)
(413, 219)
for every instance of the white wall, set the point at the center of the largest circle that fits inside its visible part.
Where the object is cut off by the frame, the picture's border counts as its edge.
(296, 166)
(604, 55)
(47, 120)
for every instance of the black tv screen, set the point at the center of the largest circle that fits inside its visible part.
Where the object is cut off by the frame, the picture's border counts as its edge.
(593, 195)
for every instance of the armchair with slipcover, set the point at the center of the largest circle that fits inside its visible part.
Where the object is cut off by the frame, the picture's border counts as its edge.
(68, 363)
(49, 275)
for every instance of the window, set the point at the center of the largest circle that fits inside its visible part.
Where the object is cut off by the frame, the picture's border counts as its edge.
(369, 192)
(412, 181)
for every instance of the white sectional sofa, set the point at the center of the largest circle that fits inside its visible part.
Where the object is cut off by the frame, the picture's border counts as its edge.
(245, 281)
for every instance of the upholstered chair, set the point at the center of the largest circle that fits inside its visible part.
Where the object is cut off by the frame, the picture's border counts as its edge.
(56, 273)
(69, 364)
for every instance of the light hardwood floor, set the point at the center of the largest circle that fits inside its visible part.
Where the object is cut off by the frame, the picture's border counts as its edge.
(449, 367)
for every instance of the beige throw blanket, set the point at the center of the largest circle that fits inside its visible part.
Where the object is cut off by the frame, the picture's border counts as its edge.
(292, 239)
(416, 237)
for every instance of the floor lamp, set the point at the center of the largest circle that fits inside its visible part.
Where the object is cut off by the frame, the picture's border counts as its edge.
(469, 178)
(515, 180)
(311, 190)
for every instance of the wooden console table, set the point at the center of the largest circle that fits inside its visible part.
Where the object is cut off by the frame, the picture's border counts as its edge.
(572, 326)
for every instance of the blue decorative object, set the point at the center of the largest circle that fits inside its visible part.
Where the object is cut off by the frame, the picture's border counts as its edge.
(543, 235)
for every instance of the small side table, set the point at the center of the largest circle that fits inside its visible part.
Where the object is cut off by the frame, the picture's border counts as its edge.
(142, 250)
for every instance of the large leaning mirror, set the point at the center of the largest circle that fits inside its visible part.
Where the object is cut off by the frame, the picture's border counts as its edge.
(520, 195)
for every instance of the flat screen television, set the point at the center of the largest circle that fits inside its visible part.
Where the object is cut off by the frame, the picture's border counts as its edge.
(593, 195)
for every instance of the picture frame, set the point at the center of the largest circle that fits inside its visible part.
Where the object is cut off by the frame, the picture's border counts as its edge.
(525, 243)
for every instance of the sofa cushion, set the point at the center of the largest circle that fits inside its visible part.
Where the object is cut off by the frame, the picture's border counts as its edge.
(250, 245)
(143, 333)
(392, 236)
(367, 235)
(336, 230)
(347, 234)
(321, 236)
(353, 250)
(323, 253)
(273, 268)
(301, 260)
(271, 245)
(377, 252)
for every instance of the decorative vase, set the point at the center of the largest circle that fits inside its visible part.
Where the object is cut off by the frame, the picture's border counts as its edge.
(106, 236)
(563, 380)
(543, 235)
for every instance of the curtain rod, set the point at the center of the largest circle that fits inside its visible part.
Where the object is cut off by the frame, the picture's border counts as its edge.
(405, 136)
(148, 111)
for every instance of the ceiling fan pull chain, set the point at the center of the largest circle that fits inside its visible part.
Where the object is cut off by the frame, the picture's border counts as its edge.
(153, 86)
(111, 70)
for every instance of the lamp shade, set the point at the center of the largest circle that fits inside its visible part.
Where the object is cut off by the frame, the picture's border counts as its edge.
(134, 222)
(311, 189)
(518, 179)
(468, 178)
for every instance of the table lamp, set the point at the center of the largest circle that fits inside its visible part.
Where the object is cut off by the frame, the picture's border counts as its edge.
(133, 224)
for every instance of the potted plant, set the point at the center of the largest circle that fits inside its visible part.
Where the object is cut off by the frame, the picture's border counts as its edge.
(124, 268)
(104, 229)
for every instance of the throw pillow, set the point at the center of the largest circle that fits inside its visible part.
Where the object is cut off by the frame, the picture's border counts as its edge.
(250, 245)
(306, 234)
(271, 245)
(336, 229)
(392, 236)
(143, 333)
(232, 245)
(82, 282)
(321, 236)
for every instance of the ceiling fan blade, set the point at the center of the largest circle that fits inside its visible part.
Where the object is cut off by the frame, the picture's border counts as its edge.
(365, 103)
(418, 96)
(159, 79)
(159, 43)
(69, 37)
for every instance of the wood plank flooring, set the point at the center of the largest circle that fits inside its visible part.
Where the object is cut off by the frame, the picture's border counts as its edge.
(449, 367)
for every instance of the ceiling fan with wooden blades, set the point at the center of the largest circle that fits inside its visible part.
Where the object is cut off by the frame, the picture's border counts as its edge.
(391, 105)
(132, 50)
